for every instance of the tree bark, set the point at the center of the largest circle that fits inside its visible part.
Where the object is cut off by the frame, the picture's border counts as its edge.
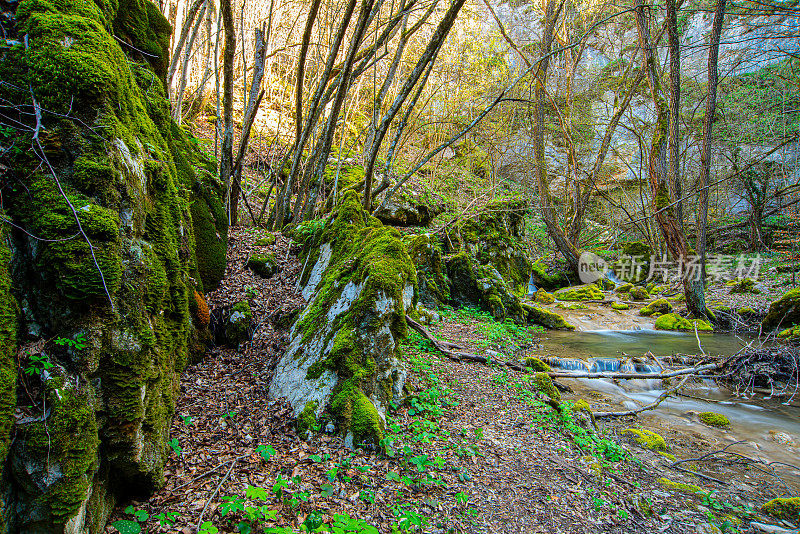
(673, 39)
(658, 172)
(708, 123)
(226, 159)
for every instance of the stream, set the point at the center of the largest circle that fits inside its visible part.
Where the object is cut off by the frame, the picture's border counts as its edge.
(770, 429)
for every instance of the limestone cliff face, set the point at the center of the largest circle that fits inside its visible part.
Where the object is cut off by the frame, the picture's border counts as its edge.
(117, 230)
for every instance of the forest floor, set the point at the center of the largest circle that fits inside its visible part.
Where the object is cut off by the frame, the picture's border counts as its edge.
(475, 450)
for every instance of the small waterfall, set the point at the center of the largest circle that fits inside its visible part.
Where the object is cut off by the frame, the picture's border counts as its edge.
(532, 289)
(604, 365)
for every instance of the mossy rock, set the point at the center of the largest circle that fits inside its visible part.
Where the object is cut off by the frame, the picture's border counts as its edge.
(689, 489)
(536, 364)
(783, 508)
(638, 293)
(659, 306)
(307, 419)
(790, 334)
(620, 306)
(544, 384)
(432, 282)
(475, 285)
(266, 241)
(674, 322)
(264, 265)
(544, 280)
(8, 349)
(646, 438)
(624, 288)
(783, 312)
(546, 318)
(147, 198)
(359, 283)
(745, 285)
(588, 292)
(714, 419)
(237, 327)
(543, 297)
(605, 284)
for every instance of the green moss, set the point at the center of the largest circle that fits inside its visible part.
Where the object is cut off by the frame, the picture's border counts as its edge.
(790, 333)
(660, 306)
(638, 293)
(783, 312)
(70, 440)
(8, 348)
(624, 288)
(745, 285)
(536, 364)
(647, 439)
(746, 311)
(544, 384)
(634, 261)
(589, 292)
(680, 486)
(620, 306)
(714, 419)
(307, 420)
(265, 241)
(548, 281)
(237, 328)
(426, 253)
(543, 297)
(673, 321)
(546, 318)
(359, 414)
(263, 265)
(783, 508)
(572, 306)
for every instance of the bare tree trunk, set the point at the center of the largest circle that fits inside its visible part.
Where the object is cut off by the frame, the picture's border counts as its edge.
(676, 188)
(433, 45)
(177, 112)
(693, 283)
(254, 101)
(567, 249)
(187, 26)
(708, 123)
(226, 159)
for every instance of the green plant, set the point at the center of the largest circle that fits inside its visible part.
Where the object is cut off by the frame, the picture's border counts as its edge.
(208, 528)
(79, 343)
(38, 364)
(166, 519)
(131, 526)
(266, 452)
(176, 446)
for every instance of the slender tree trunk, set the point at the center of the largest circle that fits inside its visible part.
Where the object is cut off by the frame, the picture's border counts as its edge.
(185, 29)
(673, 38)
(177, 112)
(433, 45)
(708, 123)
(693, 282)
(567, 248)
(226, 159)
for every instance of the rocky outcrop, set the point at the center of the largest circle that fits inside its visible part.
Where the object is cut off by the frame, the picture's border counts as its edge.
(432, 283)
(784, 312)
(119, 229)
(343, 361)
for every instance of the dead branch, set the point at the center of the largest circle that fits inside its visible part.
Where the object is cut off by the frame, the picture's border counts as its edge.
(650, 406)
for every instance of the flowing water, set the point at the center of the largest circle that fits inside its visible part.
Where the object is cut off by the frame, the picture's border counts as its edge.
(770, 428)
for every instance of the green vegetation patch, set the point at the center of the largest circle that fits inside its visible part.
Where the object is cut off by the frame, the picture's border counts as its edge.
(783, 508)
(714, 419)
(673, 321)
(660, 306)
(647, 439)
(589, 292)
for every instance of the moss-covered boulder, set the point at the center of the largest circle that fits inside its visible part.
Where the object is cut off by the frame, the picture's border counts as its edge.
(238, 323)
(745, 285)
(659, 306)
(646, 438)
(546, 318)
(129, 226)
(408, 209)
(543, 297)
(620, 306)
(544, 384)
(624, 288)
(638, 293)
(587, 292)
(714, 419)
(548, 280)
(783, 508)
(426, 253)
(266, 241)
(783, 312)
(482, 286)
(493, 237)
(343, 354)
(536, 364)
(263, 265)
(673, 321)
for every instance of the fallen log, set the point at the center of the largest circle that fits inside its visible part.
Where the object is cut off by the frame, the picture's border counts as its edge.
(632, 376)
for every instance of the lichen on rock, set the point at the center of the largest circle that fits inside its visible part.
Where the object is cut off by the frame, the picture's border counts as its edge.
(344, 352)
